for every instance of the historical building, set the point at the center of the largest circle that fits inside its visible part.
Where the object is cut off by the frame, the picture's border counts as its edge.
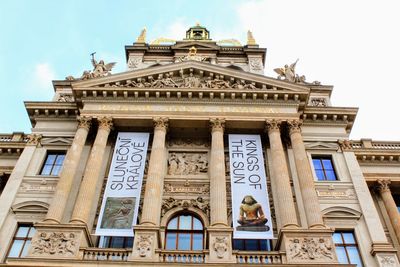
(141, 167)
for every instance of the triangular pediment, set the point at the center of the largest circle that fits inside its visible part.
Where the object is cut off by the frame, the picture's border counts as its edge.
(191, 74)
(322, 145)
(197, 44)
(56, 141)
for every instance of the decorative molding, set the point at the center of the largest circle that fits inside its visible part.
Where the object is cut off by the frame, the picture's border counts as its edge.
(345, 144)
(61, 141)
(220, 246)
(84, 122)
(160, 123)
(199, 203)
(188, 143)
(187, 163)
(321, 146)
(65, 98)
(30, 207)
(186, 188)
(387, 260)
(294, 126)
(34, 139)
(336, 194)
(306, 249)
(105, 123)
(272, 125)
(383, 185)
(55, 244)
(318, 102)
(217, 124)
(143, 245)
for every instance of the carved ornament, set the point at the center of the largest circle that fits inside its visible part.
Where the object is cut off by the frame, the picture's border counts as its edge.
(217, 124)
(199, 203)
(160, 123)
(65, 98)
(105, 123)
(187, 163)
(306, 249)
(294, 126)
(345, 144)
(100, 69)
(220, 246)
(186, 188)
(192, 55)
(134, 61)
(383, 185)
(84, 122)
(143, 244)
(387, 261)
(318, 102)
(273, 125)
(55, 243)
(189, 143)
(288, 73)
(34, 139)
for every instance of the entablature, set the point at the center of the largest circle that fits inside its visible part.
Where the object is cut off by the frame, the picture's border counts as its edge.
(48, 109)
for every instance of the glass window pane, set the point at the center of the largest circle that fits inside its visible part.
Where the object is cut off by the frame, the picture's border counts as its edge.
(50, 159)
(171, 241)
(56, 170)
(197, 225)
(317, 164)
(349, 238)
(46, 170)
(22, 231)
(238, 244)
(327, 164)
(265, 245)
(129, 242)
(16, 248)
(173, 224)
(117, 242)
(330, 175)
(341, 254)
(320, 175)
(31, 232)
(26, 248)
(251, 244)
(197, 242)
(337, 238)
(185, 222)
(354, 256)
(60, 159)
(183, 241)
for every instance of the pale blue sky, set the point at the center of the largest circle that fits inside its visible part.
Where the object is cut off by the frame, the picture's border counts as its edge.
(349, 44)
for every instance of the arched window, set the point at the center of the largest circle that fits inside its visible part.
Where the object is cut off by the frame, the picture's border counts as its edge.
(184, 232)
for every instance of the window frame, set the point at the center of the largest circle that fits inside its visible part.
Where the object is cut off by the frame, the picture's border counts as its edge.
(43, 166)
(106, 241)
(346, 245)
(190, 231)
(321, 157)
(25, 239)
(245, 245)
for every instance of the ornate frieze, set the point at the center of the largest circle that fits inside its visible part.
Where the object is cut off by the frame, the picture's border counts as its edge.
(188, 143)
(42, 187)
(336, 194)
(65, 98)
(187, 163)
(186, 188)
(308, 249)
(318, 102)
(62, 244)
(199, 203)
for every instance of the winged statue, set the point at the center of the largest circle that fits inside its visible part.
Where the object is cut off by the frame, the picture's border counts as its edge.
(287, 72)
(100, 69)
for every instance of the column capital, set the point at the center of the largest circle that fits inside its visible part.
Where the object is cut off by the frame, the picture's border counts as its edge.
(272, 125)
(294, 126)
(105, 123)
(160, 123)
(383, 185)
(217, 124)
(84, 122)
(34, 139)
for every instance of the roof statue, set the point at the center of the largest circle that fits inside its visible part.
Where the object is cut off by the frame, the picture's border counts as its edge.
(250, 38)
(288, 73)
(142, 36)
(100, 69)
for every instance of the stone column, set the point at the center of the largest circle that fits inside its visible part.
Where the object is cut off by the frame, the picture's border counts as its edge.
(305, 176)
(217, 174)
(71, 163)
(155, 176)
(390, 205)
(92, 177)
(284, 203)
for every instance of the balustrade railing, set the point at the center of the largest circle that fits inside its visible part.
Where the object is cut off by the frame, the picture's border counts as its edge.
(105, 254)
(174, 256)
(258, 257)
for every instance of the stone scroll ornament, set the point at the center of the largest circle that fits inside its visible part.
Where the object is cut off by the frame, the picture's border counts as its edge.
(55, 243)
(310, 249)
(199, 203)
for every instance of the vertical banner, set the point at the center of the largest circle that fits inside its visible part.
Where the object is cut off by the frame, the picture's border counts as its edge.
(119, 210)
(251, 214)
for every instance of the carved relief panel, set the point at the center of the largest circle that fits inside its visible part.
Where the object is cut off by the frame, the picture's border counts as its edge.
(181, 163)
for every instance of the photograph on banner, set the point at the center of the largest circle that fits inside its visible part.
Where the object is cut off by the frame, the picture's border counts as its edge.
(251, 213)
(120, 206)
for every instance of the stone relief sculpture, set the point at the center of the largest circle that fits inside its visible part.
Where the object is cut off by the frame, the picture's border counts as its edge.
(65, 98)
(144, 244)
(187, 163)
(220, 246)
(310, 249)
(318, 102)
(288, 73)
(199, 203)
(62, 244)
(100, 69)
(192, 55)
(188, 143)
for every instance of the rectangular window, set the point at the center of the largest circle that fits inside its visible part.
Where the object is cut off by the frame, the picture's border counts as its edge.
(252, 244)
(53, 163)
(347, 248)
(21, 241)
(116, 242)
(323, 167)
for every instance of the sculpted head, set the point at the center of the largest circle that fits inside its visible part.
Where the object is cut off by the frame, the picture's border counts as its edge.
(249, 200)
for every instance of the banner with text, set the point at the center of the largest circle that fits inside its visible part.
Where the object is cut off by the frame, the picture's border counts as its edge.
(251, 214)
(120, 206)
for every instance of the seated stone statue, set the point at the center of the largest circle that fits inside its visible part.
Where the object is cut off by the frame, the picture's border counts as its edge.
(252, 216)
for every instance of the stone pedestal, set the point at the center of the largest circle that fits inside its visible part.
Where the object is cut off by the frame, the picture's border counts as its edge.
(220, 245)
(308, 246)
(385, 255)
(145, 245)
(59, 241)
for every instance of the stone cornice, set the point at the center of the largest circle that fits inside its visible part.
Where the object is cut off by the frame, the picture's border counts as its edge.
(12, 144)
(59, 110)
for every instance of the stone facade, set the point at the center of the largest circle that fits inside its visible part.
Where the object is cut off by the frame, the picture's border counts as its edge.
(190, 95)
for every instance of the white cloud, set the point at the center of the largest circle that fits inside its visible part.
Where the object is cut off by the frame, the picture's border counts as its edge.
(43, 76)
(349, 44)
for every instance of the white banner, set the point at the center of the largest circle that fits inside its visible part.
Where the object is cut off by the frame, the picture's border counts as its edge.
(121, 197)
(251, 214)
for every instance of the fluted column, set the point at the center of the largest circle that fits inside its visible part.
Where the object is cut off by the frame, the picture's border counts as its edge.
(305, 176)
(284, 203)
(71, 162)
(155, 176)
(92, 177)
(217, 174)
(390, 205)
